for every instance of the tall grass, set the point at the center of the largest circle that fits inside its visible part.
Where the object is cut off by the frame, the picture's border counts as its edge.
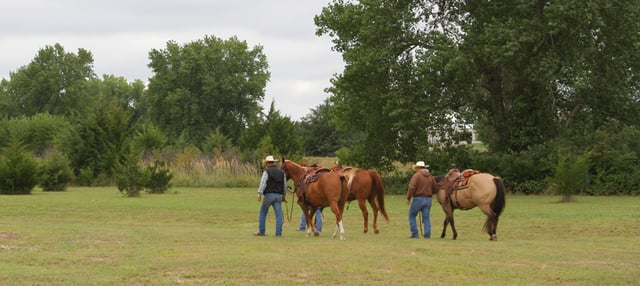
(191, 168)
(202, 236)
(217, 172)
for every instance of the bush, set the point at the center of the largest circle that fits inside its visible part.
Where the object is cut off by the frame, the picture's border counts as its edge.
(158, 178)
(131, 180)
(615, 161)
(19, 170)
(56, 173)
(570, 178)
(130, 177)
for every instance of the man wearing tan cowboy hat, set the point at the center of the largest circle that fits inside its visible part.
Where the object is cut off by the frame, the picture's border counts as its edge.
(273, 185)
(421, 187)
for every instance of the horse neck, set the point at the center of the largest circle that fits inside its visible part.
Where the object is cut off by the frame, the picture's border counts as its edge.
(295, 172)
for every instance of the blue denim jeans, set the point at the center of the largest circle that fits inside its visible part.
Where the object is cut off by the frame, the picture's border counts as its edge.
(423, 205)
(303, 221)
(275, 200)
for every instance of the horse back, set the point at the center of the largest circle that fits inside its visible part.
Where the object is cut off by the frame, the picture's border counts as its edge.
(327, 188)
(482, 188)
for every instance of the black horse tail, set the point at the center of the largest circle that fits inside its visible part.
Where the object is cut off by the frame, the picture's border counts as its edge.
(378, 186)
(499, 202)
(497, 206)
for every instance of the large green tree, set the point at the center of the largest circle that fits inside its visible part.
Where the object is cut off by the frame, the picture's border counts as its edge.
(523, 71)
(274, 130)
(102, 143)
(120, 91)
(319, 136)
(386, 99)
(206, 85)
(55, 82)
(540, 68)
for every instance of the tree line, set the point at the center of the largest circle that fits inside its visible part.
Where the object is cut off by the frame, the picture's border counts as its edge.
(205, 94)
(547, 86)
(541, 81)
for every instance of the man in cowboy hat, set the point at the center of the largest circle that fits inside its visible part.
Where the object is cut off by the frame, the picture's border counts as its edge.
(421, 187)
(273, 186)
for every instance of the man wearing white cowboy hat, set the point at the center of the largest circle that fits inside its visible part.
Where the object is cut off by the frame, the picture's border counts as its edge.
(421, 187)
(273, 185)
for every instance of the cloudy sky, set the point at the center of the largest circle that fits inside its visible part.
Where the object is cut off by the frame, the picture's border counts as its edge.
(120, 34)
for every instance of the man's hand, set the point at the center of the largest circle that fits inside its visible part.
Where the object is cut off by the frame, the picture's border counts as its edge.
(259, 198)
(408, 201)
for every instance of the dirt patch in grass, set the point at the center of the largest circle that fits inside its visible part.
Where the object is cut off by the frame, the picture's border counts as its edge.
(8, 235)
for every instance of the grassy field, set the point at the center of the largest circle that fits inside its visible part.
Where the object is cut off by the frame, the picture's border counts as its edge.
(93, 236)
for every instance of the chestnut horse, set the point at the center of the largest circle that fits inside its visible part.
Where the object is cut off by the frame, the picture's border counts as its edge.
(365, 185)
(328, 190)
(480, 189)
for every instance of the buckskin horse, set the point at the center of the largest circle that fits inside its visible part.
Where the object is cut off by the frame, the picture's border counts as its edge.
(365, 185)
(468, 189)
(324, 189)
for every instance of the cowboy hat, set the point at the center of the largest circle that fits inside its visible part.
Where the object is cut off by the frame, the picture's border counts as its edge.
(420, 165)
(270, 159)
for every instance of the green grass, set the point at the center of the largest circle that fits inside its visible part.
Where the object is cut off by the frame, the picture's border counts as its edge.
(202, 236)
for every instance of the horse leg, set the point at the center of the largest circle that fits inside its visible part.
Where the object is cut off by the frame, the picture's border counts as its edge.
(491, 223)
(444, 229)
(453, 226)
(448, 212)
(374, 207)
(339, 226)
(365, 214)
(494, 236)
(313, 222)
(307, 218)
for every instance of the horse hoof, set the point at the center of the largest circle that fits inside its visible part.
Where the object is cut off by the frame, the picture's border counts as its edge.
(316, 234)
(376, 231)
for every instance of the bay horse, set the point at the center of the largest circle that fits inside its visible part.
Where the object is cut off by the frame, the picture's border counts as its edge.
(458, 191)
(365, 185)
(327, 189)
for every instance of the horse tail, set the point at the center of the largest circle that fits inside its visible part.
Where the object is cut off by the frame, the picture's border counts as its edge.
(499, 202)
(344, 191)
(378, 187)
(497, 206)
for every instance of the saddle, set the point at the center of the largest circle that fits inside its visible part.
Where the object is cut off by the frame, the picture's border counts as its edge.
(312, 174)
(459, 180)
(342, 169)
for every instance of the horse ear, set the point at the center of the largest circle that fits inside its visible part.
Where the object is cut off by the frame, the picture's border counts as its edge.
(282, 159)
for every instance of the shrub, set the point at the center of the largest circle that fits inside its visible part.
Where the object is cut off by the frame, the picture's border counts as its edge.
(131, 180)
(615, 161)
(19, 170)
(158, 178)
(570, 178)
(56, 173)
(130, 177)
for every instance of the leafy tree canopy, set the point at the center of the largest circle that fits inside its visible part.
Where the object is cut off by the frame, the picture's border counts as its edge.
(54, 82)
(523, 71)
(204, 85)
